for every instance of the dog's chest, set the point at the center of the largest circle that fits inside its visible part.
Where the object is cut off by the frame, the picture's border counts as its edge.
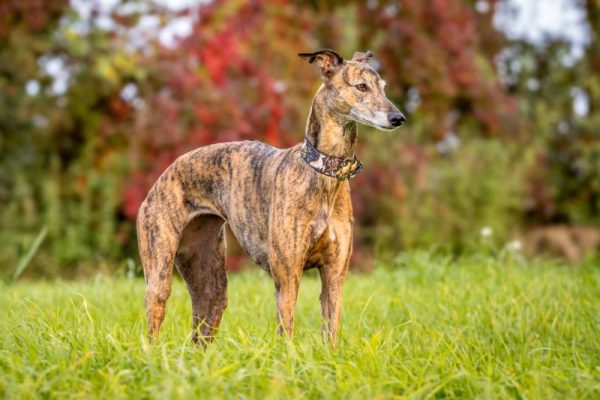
(322, 225)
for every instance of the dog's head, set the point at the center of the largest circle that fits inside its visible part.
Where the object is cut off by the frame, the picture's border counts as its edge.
(354, 90)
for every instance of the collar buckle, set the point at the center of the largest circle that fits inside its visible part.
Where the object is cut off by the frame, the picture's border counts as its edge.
(346, 169)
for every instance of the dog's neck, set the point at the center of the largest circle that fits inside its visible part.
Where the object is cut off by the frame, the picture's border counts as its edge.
(329, 133)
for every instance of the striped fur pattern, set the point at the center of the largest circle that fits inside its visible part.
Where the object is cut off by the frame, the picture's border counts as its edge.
(287, 216)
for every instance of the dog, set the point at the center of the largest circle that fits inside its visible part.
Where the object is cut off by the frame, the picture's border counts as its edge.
(289, 209)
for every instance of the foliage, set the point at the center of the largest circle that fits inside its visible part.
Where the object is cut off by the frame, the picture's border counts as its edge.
(440, 55)
(422, 327)
(64, 160)
(91, 112)
(559, 102)
(222, 83)
(438, 202)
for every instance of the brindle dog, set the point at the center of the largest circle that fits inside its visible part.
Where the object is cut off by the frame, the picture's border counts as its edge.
(286, 213)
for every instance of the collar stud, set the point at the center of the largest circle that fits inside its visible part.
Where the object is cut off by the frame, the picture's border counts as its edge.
(335, 167)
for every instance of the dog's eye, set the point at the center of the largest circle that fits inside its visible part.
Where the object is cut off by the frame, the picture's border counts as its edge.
(361, 87)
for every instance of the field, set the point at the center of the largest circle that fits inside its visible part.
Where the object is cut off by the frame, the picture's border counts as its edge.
(420, 328)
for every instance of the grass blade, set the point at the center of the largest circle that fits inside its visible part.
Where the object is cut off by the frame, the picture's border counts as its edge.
(26, 259)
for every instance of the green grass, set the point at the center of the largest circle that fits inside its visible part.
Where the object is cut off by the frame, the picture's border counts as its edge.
(423, 328)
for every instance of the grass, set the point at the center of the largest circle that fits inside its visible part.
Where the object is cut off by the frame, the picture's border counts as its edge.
(422, 328)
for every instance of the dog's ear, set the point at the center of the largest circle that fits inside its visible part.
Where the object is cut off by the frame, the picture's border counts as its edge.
(362, 57)
(328, 61)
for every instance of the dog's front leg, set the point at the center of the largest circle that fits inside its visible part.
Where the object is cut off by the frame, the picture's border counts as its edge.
(333, 274)
(287, 254)
(331, 302)
(286, 293)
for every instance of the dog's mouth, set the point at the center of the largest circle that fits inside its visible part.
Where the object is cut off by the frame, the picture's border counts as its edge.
(386, 126)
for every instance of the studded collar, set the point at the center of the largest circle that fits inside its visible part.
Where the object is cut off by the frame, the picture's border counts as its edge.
(335, 167)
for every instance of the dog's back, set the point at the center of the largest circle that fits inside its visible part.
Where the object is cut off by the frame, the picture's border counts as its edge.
(230, 180)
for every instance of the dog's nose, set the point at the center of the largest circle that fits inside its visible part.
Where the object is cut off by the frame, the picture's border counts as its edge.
(396, 119)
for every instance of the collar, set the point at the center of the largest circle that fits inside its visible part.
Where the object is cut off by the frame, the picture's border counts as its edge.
(340, 168)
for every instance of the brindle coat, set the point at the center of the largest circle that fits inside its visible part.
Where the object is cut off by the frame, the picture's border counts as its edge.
(287, 216)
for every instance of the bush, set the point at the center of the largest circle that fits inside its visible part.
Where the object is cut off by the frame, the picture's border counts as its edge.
(453, 201)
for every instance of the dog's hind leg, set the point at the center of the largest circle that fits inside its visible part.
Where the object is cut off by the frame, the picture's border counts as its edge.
(157, 241)
(201, 262)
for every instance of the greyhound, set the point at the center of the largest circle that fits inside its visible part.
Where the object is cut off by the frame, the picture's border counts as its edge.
(290, 209)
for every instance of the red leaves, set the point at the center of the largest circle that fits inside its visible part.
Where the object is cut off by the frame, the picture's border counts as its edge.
(119, 108)
(135, 192)
(213, 87)
(437, 48)
(31, 15)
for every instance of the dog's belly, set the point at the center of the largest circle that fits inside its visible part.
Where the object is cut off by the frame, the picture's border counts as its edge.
(253, 240)
(247, 184)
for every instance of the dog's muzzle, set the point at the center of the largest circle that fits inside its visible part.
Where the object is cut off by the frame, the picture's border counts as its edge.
(396, 119)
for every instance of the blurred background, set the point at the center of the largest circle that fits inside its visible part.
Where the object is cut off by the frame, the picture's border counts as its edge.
(501, 151)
